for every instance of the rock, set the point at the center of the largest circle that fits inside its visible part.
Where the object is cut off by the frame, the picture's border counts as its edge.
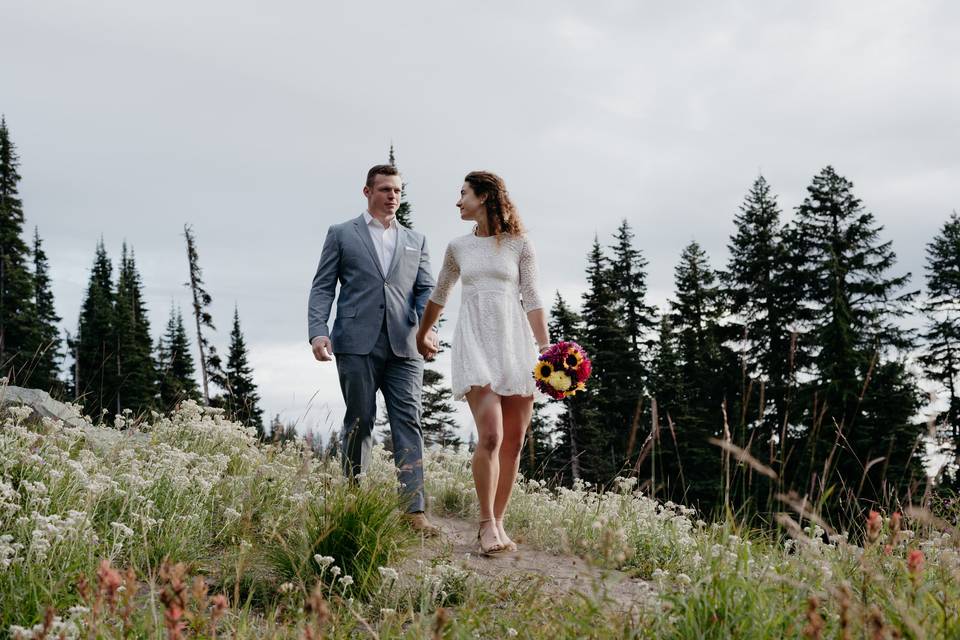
(101, 438)
(42, 404)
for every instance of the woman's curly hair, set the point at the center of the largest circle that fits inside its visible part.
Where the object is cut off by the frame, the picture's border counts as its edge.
(502, 216)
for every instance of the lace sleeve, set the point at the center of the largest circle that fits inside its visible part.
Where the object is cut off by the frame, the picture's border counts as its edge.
(529, 277)
(449, 274)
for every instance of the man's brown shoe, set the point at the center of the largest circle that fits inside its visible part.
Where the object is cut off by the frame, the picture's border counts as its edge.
(419, 523)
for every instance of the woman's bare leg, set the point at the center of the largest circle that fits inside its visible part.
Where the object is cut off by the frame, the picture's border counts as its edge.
(516, 411)
(487, 414)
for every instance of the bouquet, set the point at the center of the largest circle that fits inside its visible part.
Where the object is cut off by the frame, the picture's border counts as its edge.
(562, 370)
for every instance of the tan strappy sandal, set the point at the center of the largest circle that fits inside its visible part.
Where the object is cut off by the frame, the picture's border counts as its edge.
(496, 548)
(510, 545)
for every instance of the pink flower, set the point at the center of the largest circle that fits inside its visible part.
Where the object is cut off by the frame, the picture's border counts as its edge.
(915, 562)
(874, 525)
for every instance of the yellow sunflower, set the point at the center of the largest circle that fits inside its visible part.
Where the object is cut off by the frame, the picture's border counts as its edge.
(573, 358)
(543, 370)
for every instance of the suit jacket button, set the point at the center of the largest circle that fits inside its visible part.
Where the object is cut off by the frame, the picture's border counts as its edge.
(381, 306)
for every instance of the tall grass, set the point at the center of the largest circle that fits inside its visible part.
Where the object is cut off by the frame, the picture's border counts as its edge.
(263, 527)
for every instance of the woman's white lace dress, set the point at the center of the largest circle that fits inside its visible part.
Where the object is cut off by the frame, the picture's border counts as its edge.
(492, 343)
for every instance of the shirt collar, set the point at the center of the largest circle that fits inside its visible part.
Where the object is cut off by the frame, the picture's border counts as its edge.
(369, 219)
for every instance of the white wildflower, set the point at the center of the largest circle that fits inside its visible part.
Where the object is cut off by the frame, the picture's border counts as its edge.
(323, 561)
(388, 573)
(346, 581)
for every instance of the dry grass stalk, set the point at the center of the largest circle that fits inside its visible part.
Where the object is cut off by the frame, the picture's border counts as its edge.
(318, 612)
(744, 456)
(815, 624)
(440, 623)
(799, 505)
(792, 528)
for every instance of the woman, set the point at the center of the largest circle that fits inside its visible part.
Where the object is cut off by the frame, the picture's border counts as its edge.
(493, 349)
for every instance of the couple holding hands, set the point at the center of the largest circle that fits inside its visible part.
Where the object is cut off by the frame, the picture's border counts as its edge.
(387, 309)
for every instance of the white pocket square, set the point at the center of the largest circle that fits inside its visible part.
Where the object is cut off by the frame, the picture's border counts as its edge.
(410, 248)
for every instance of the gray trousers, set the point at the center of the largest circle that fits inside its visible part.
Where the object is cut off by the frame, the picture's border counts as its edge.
(401, 381)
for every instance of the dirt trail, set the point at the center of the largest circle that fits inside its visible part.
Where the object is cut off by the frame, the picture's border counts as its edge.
(561, 573)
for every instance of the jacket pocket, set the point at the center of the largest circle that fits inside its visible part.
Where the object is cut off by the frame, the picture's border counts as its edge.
(346, 312)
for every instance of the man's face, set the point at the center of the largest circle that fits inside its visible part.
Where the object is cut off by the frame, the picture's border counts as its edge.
(383, 198)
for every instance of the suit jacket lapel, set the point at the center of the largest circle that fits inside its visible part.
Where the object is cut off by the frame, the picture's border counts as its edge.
(361, 228)
(400, 248)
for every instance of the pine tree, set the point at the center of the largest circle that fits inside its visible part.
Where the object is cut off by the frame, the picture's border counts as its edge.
(403, 211)
(614, 394)
(174, 364)
(210, 365)
(854, 305)
(706, 368)
(96, 361)
(566, 324)
(941, 356)
(18, 331)
(135, 367)
(669, 401)
(764, 293)
(538, 459)
(242, 399)
(437, 421)
(46, 372)
(629, 281)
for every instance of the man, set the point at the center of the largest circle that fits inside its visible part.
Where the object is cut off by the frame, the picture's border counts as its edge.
(385, 280)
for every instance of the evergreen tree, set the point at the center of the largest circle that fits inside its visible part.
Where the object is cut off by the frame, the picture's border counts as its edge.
(613, 395)
(175, 369)
(854, 307)
(566, 324)
(765, 293)
(538, 457)
(96, 380)
(210, 365)
(941, 356)
(334, 445)
(629, 281)
(437, 420)
(45, 373)
(242, 399)
(706, 368)
(670, 397)
(18, 331)
(135, 367)
(403, 211)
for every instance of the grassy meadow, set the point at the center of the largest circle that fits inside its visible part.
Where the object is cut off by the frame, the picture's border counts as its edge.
(186, 526)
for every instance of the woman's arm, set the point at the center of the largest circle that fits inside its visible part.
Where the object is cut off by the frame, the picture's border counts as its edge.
(538, 322)
(530, 296)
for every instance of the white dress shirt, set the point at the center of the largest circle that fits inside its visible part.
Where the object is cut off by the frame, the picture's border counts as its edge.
(384, 239)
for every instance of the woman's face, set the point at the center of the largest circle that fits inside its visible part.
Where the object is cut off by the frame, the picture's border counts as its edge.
(471, 207)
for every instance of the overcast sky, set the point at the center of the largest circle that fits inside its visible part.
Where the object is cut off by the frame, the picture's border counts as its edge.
(256, 122)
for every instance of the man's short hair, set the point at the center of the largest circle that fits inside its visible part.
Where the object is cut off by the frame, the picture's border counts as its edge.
(381, 170)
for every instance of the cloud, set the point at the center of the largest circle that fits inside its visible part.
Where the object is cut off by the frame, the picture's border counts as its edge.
(257, 125)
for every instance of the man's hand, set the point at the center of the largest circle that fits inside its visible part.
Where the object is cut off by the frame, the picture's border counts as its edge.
(428, 345)
(322, 349)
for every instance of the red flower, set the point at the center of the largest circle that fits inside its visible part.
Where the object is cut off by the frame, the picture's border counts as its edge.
(915, 562)
(874, 525)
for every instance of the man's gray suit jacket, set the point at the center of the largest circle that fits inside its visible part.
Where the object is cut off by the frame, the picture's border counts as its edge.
(367, 294)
